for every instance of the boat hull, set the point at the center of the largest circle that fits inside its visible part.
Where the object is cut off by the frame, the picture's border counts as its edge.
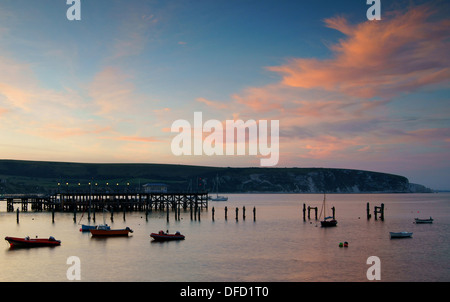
(418, 221)
(166, 237)
(400, 234)
(328, 223)
(111, 233)
(28, 242)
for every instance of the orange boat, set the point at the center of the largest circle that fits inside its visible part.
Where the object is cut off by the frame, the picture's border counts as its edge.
(98, 232)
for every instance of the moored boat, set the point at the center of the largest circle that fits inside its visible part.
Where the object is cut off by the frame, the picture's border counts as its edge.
(327, 221)
(400, 234)
(161, 236)
(418, 220)
(32, 242)
(107, 232)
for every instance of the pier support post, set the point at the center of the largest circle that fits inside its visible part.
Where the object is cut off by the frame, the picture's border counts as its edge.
(332, 209)
(237, 213)
(304, 212)
(254, 213)
(17, 215)
(382, 212)
(243, 212)
(226, 213)
(368, 211)
(167, 212)
(213, 213)
(53, 215)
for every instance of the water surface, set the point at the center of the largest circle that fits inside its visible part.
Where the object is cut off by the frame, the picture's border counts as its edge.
(278, 246)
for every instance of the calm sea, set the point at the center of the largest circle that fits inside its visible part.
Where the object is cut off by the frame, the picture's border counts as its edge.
(278, 247)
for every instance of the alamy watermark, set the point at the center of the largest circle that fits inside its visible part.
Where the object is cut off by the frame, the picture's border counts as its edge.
(192, 141)
(74, 271)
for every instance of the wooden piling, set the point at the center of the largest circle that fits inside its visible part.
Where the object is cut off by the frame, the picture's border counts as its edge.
(304, 212)
(213, 214)
(53, 215)
(167, 213)
(368, 211)
(243, 212)
(17, 215)
(226, 213)
(254, 213)
(237, 213)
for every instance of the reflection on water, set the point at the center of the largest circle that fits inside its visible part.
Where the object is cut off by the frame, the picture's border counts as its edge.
(278, 246)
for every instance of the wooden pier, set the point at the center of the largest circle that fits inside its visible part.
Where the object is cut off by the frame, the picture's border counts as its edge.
(79, 202)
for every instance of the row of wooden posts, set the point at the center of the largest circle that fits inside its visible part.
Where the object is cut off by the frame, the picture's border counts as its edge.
(194, 213)
(377, 210)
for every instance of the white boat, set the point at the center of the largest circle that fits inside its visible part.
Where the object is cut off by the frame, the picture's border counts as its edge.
(418, 220)
(400, 234)
(218, 197)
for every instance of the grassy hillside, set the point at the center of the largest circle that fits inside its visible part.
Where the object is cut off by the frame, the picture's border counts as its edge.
(49, 177)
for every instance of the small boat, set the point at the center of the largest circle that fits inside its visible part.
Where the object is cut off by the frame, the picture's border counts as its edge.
(29, 242)
(327, 221)
(88, 228)
(107, 232)
(400, 234)
(418, 220)
(218, 197)
(161, 236)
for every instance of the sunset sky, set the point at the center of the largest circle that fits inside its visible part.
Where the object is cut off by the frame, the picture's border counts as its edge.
(348, 92)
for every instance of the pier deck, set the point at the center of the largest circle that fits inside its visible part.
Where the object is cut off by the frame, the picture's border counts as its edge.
(70, 202)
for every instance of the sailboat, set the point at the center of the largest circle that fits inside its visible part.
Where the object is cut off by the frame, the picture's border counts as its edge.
(327, 221)
(218, 197)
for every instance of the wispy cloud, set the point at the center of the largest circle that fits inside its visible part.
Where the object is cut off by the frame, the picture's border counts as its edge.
(404, 52)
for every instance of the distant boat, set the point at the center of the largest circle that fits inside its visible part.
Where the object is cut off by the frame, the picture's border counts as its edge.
(418, 220)
(107, 232)
(327, 221)
(29, 242)
(218, 197)
(400, 234)
(161, 236)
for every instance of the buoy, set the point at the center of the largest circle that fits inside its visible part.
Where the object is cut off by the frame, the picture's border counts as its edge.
(341, 244)
(345, 244)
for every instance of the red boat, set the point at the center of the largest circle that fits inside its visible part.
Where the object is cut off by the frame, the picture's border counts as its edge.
(29, 242)
(111, 233)
(161, 236)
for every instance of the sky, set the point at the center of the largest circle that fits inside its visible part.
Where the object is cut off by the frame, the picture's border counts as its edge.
(348, 92)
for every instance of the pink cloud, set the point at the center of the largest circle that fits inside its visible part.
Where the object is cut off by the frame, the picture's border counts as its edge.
(403, 52)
